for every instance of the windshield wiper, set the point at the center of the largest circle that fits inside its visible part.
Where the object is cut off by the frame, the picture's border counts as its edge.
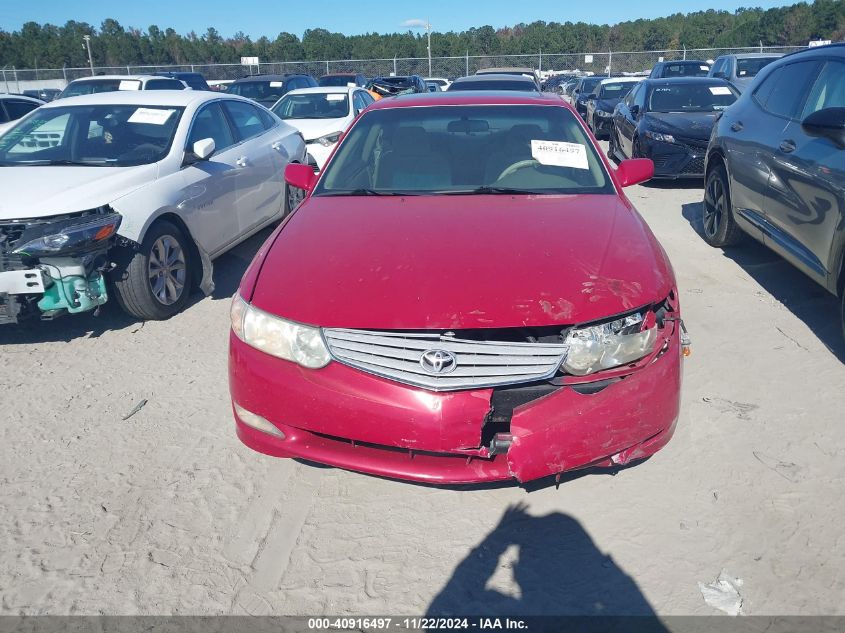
(369, 192)
(50, 163)
(486, 190)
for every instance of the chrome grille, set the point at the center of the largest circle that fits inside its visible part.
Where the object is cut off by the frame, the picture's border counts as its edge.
(478, 364)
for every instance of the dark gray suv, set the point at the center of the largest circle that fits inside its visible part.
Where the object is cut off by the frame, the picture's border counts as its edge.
(775, 166)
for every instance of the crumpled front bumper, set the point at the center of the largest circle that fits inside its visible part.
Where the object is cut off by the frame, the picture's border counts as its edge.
(349, 419)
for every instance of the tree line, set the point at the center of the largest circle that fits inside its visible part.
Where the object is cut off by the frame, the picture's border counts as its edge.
(49, 46)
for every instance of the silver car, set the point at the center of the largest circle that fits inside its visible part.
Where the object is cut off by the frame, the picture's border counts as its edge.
(741, 69)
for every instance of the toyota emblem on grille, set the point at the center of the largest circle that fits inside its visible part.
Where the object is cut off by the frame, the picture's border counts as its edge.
(438, 361)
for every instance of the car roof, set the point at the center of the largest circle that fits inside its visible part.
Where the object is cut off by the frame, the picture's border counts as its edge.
(666, 81)
(690, 62)
(752, 55)
(468, 98)
(325, 90)
(178, 98)
(506, 69)
(341, 75)
(493, 77)
(7, 95)
(268, 77)
(110, 77)
(621, 80)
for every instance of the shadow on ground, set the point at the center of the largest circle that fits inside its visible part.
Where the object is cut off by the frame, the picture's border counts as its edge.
(557, 570)
(228, 270)
(811, 303)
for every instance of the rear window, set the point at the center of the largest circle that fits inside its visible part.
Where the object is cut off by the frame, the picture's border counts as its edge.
(615, 91)
(455, 150)
(332, 81)
(93, 86)
(259, 90)
(697, 69)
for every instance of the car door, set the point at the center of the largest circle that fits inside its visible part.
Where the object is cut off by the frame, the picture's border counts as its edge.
(752, 132)
(804, 202)
(260, 188)
(209, 188)
(17, 108)
(626, 122)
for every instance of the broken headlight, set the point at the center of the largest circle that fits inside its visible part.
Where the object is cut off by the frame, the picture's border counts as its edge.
(68, 235)
(329, 139)
(608, 345)
(278, 337)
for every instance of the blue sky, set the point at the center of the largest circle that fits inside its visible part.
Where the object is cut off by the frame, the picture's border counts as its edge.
(257, 18)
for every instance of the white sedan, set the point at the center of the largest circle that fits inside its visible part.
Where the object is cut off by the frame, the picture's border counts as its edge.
(322, 115)
(136, 193)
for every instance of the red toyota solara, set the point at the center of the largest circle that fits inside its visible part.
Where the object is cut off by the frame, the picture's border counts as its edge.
(465, 295)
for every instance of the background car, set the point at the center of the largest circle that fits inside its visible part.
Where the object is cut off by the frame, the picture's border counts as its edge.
(583, 91)
(443, 313)
(268, 89)
(776, 166)
(321, 115)
(740, 70)
(680, 68)
(603, 100)
(392, 86)
(433, 86)
(342, 80)
(139, 194)
(555, 83)
(13, 107)
(44, 94)
(494, 82)
(195, 81)
(113, 83)
(669, 121)
(442, 82)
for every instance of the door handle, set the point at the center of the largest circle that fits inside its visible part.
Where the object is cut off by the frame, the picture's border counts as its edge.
(787, 146)
(736, 126)
(241, 162)
(277, 145)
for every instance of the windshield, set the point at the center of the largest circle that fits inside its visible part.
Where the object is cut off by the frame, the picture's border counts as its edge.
(452, 150)
(268, 91)
(616, 91)
(336, 80)
(92, 86)
(313, 106)
(749, 67)
(494, 84)
(102, 135)
(691, 98)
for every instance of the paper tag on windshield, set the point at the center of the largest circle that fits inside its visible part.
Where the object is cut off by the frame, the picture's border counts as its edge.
(129, 84)
(276, 84)
(331, 97)
(148, 115)
(707, 68)
(720, 90)
(560, 154)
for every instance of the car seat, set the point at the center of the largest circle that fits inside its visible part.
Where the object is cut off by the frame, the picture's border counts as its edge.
(411, 163)
(515, 148)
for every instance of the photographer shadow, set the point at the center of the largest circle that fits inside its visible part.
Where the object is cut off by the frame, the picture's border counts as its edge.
(558, 570)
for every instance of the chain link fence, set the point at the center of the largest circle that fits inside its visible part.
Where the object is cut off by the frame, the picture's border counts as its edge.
(16, 80)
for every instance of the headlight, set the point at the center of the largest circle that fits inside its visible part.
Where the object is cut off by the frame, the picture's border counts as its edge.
(278, 337)
(329, 139)
(657, 136)
(604, 113)
(607, 345)
(65, 236)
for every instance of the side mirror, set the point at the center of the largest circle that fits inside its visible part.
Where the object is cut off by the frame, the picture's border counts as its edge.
(827, 123)
(720, 75)
(634, 171)
(635, 110)
(203, 149)
(590, 97)
(300, 176)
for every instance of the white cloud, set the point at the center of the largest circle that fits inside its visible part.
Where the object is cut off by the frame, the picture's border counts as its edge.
(411, 24)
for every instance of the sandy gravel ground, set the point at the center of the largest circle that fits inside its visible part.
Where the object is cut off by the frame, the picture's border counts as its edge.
(167, 513)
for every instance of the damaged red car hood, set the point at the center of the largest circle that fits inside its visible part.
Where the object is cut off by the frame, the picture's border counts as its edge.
(450, 262)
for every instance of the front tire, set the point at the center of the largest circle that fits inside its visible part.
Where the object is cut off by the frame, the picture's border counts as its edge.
(293, 198)
(612, 147)
(720, 228)
(155, 282)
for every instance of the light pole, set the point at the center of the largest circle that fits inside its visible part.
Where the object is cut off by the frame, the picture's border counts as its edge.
(428, 34)
(87, 39)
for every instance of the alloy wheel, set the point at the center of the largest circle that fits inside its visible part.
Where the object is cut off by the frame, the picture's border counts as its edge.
(714, 206)
(295, 197)
(167, 270)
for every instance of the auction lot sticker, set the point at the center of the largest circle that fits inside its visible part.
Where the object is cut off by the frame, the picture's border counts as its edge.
(560, 154)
